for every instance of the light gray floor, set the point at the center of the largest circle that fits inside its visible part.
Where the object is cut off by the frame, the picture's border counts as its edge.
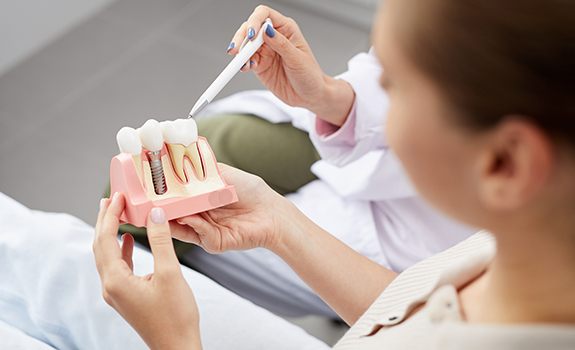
(60, 109)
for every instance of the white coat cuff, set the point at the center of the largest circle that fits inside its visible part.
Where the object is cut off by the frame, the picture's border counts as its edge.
(332, 135)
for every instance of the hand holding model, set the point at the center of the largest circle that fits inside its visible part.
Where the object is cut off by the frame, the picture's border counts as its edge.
(164, 312)
(254, 221)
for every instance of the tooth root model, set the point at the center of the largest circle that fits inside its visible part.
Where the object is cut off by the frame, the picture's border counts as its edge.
(167, 165)
(181, 137)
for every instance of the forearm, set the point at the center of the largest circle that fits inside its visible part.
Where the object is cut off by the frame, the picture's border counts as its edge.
(337, 102)
(344, 279)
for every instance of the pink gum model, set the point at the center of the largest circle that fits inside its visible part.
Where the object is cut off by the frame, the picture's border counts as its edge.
(124, 179)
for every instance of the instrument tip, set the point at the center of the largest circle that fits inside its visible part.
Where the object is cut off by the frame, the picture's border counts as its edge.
(198, 107)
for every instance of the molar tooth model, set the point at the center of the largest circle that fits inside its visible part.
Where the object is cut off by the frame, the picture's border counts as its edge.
(167, 165)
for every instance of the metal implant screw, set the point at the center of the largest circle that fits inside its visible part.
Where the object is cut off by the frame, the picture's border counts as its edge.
(157, 170)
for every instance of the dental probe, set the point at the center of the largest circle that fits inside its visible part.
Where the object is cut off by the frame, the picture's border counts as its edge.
(247, 50)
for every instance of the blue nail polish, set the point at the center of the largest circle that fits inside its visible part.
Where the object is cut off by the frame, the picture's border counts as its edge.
(251, 33)
(231, 46)
(252, 63)
(270, 31)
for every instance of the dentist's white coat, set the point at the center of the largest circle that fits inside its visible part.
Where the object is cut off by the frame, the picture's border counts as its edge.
(362, 196)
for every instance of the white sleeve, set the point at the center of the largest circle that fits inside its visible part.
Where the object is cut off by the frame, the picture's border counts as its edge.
(358, 149)
(363, 130)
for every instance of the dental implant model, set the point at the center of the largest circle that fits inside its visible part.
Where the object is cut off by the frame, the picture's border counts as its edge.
(167, 165)
(152, 139)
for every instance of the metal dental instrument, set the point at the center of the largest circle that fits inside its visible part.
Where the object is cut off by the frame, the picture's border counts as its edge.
(247, 50)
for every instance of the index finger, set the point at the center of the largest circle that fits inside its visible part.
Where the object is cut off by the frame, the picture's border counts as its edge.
(261, 13)
(104, 203)
(106, 247)
(255, 21)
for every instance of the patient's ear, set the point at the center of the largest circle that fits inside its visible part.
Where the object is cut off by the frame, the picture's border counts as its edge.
(514, 166)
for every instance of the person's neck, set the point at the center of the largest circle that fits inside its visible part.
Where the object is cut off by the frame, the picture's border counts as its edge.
(530, 280)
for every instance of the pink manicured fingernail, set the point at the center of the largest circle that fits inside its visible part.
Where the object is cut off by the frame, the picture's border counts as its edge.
(102, 203)
(115, 197)
(158, 216)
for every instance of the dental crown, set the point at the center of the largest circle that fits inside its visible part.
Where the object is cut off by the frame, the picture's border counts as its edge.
(151, 135)
(180, 131)
(129, 141)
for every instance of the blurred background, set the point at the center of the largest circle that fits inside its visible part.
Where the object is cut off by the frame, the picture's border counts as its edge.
(73, 72)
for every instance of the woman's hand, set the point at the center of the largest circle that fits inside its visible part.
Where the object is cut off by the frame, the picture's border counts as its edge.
(286, 65)
(346, 280)
(256, 220)
(160, 306)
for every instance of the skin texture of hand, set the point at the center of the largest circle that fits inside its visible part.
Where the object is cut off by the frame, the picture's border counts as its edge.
(252, 222)
(286, 66)
(160, 306)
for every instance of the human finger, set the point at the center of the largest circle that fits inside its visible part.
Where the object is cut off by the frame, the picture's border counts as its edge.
(256, 59)
(207, 231)
(104, 202)
(248, 66)
(183, 232)
(160, 239)
(128, 249)
(280, 44)
(261, 13)
(237, 39)
(106, 248)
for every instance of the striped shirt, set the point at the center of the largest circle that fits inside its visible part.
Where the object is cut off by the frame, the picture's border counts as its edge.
(391, 323)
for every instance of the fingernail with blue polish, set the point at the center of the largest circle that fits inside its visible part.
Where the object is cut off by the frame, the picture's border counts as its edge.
(231, 46)
(251, 33)
(270, 31)
(252, 63)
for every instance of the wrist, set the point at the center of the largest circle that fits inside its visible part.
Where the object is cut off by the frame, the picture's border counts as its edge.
(291, 229)
(190, 341)
(336, 103)
(184, 338)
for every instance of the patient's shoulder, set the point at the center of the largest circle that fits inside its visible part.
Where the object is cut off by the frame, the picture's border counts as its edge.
(456, 266)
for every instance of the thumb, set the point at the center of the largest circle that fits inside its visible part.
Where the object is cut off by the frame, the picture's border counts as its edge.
(160, 239)
(280, 44)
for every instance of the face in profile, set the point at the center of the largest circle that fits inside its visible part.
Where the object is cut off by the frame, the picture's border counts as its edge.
(438, 156)
(482, 156)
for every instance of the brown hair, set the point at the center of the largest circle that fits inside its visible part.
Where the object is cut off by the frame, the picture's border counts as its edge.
(495, 58)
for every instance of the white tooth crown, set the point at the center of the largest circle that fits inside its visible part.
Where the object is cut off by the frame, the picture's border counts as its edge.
(151, 135)
(129, 141)
(180, 131)
(188, 167)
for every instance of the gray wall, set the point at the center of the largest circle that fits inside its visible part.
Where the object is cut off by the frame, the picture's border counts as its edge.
(28, 25)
